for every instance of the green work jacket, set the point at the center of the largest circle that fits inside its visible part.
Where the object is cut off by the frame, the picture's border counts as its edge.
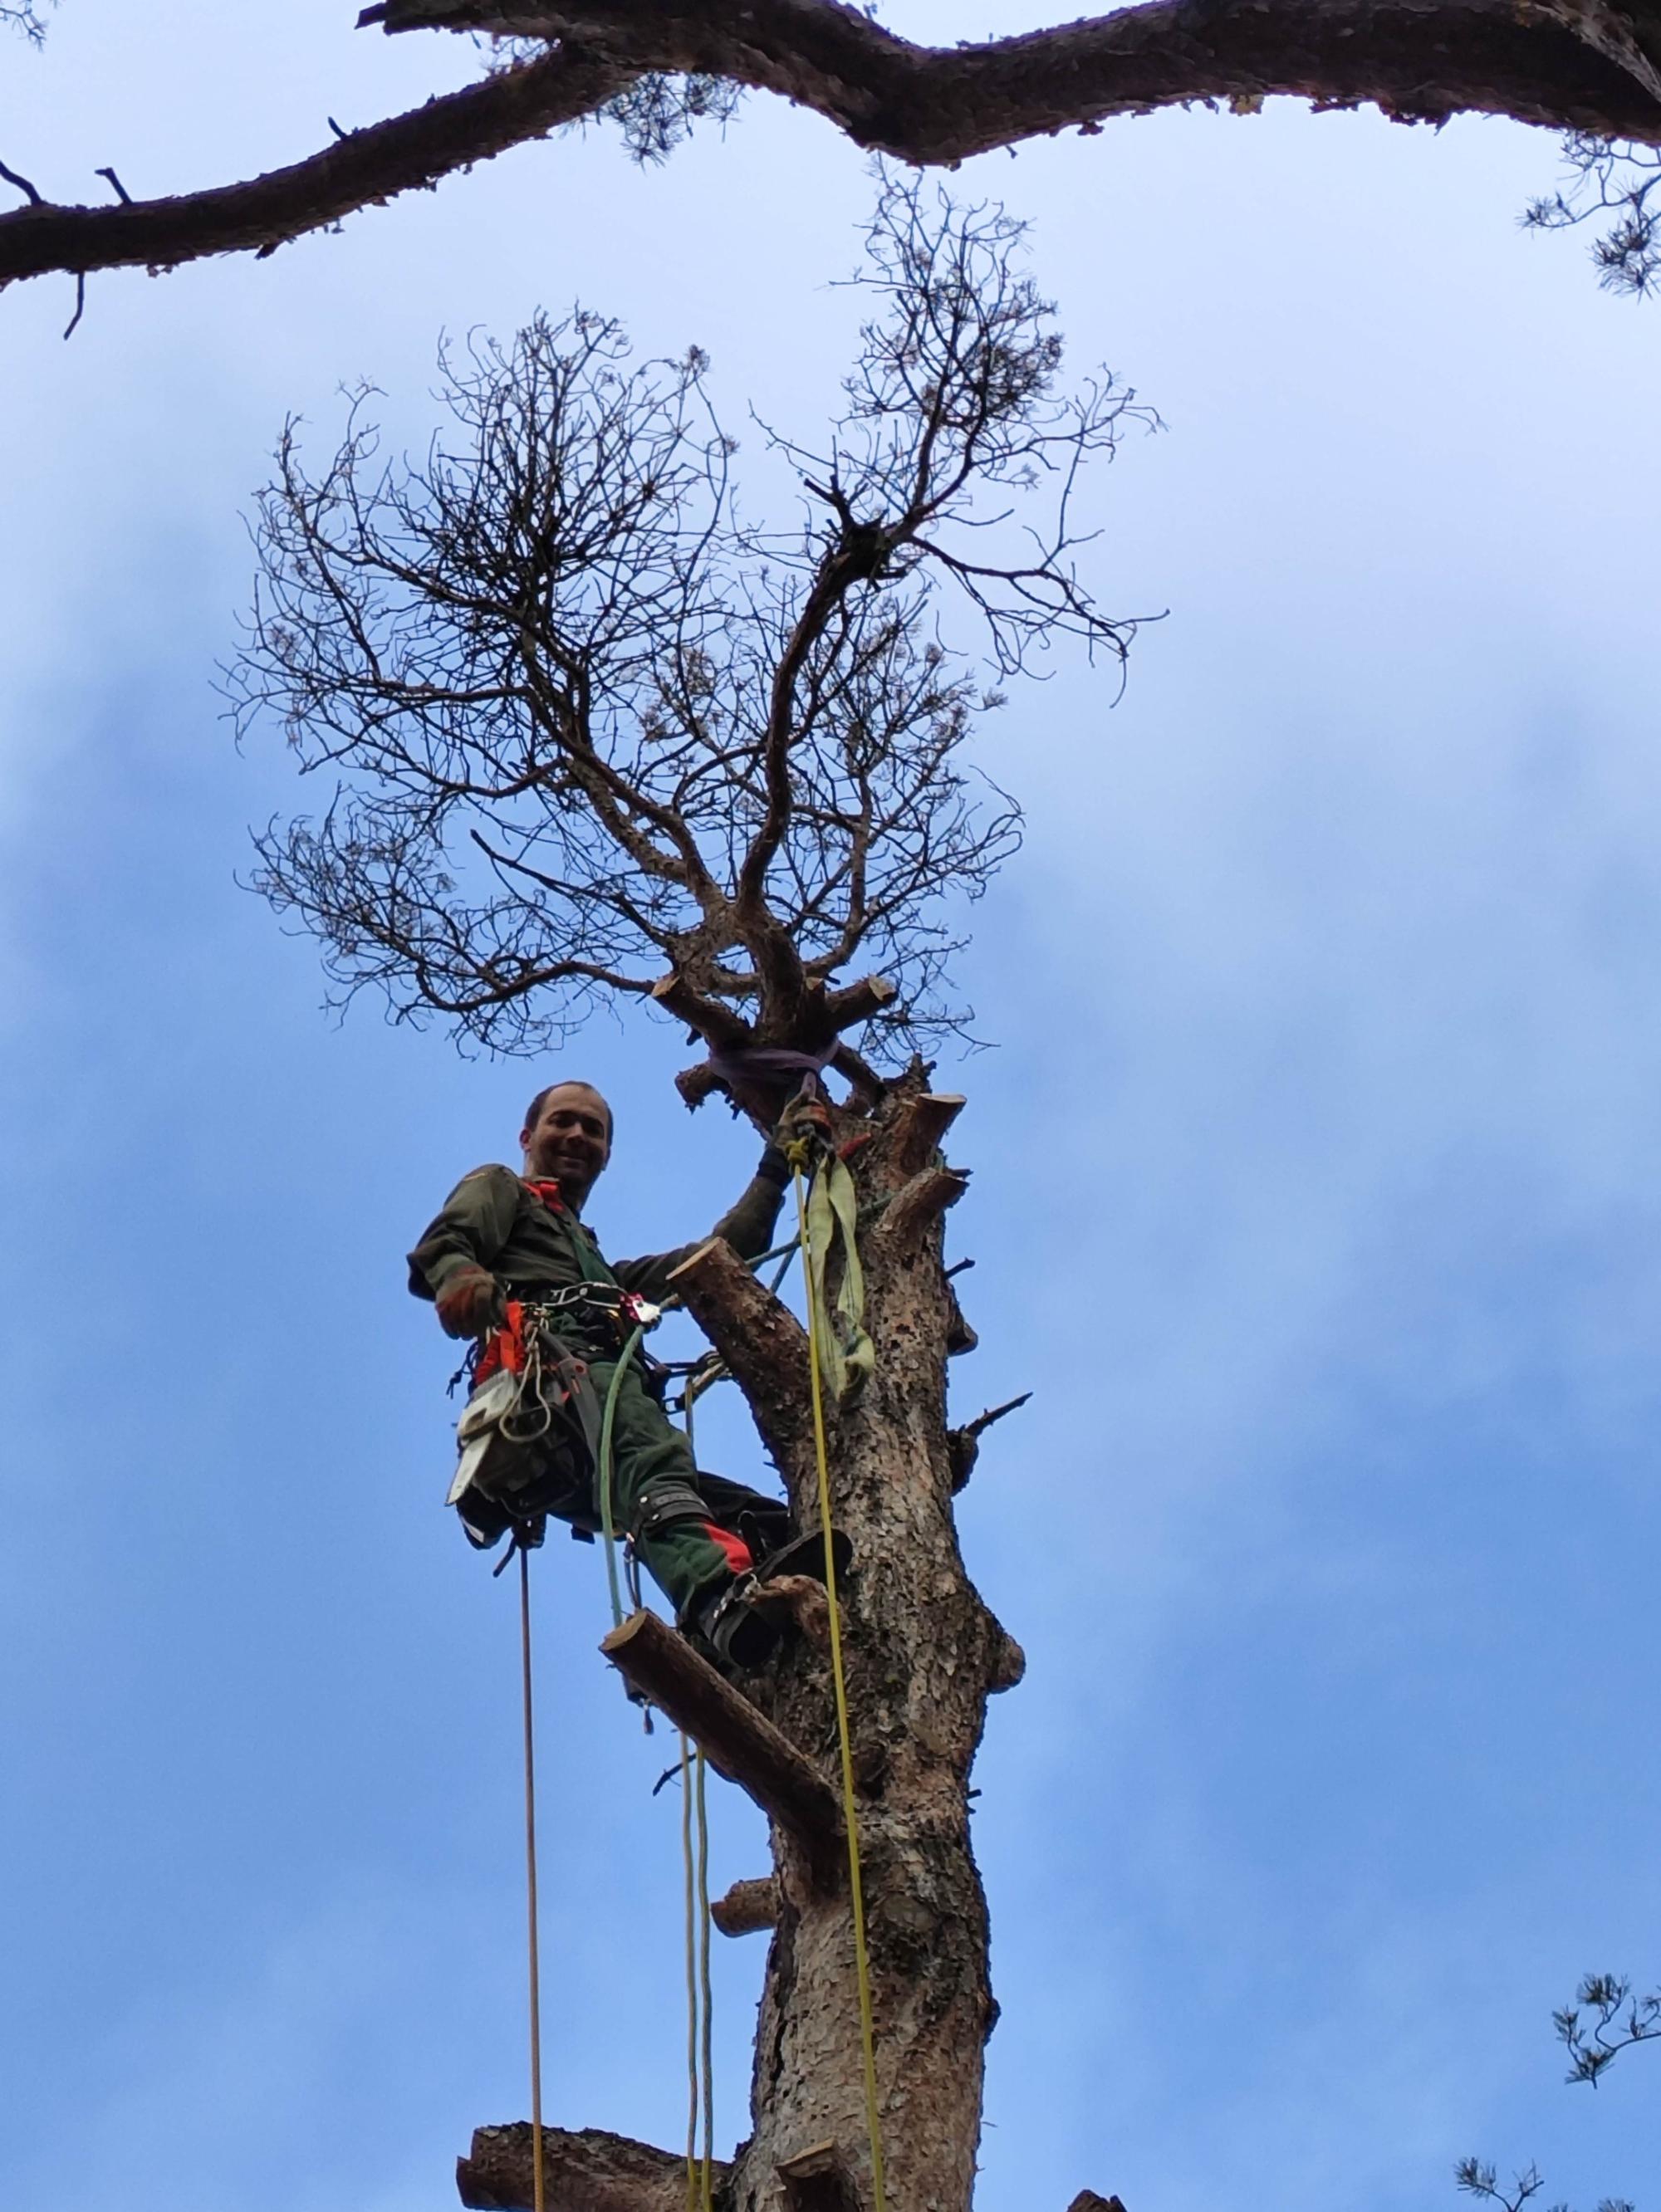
(493, 1219)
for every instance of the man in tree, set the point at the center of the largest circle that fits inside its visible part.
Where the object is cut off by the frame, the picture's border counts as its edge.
(594, 733)
(503, 1240)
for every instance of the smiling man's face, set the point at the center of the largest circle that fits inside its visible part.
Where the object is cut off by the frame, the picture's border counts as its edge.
(569, 1141)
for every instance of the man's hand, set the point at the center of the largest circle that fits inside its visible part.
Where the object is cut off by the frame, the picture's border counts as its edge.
(805, 1117)
(470, 1305)
(807, 1114)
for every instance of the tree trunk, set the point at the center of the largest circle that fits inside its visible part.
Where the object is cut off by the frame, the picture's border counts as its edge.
(922, 1655)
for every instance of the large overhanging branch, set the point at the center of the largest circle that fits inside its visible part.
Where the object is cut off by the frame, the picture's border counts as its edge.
(1541, 61)
(1593, 67)
(361, 169)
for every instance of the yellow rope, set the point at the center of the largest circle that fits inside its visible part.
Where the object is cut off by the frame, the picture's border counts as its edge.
(705, 1994)
(691, 1977)
(700, 2002)
(850, 1812)
(531, 1877)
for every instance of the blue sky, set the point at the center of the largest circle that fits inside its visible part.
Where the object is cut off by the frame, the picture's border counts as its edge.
(1317, 1198)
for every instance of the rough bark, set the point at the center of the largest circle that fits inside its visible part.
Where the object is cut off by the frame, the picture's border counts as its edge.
(1581, 65)
(1561, 64)
(924, 1654)
(586, 2170)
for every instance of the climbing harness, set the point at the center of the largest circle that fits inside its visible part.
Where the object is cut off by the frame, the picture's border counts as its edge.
(529, 1431)
(800, 1155)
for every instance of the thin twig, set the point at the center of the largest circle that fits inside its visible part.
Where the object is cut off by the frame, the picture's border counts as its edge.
(22, 185)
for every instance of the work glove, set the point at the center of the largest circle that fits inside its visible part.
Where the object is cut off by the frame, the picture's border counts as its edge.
(806, 1116)
(470, 1303)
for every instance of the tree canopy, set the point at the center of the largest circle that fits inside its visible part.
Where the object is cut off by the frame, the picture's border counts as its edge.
(589, 721)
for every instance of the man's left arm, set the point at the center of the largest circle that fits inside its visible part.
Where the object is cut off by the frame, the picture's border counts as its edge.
(748, 1227)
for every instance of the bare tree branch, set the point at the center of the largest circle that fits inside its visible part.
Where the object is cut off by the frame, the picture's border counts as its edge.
(1619, 2020)
(586, 723)
(1474, 2178)
(1620, 180)
(27, 18)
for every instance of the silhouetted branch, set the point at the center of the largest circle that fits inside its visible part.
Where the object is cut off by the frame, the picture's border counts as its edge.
(1620, 2020)
(365, 167)
(657, 65)
(1619, 180)
(584, 723)
(963, 1444)
(22, 185)
(944, 104)
(1477, 2179)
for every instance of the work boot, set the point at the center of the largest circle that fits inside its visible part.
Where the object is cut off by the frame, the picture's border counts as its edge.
(741, 1627)
(805, 1555)
(738, 1636)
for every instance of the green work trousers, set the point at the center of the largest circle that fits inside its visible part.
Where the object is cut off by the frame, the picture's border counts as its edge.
(686, 1555)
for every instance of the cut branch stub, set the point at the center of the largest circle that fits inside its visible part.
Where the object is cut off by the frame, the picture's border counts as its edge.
(1008, 1666)
(741, 1742)
(716, 1023)
(747, 1907)
(963, 1444)
(584, 2170)
(922, 1124)
(817, 2181)
(917, 1203)
(858, 1002)
(763, 1343)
